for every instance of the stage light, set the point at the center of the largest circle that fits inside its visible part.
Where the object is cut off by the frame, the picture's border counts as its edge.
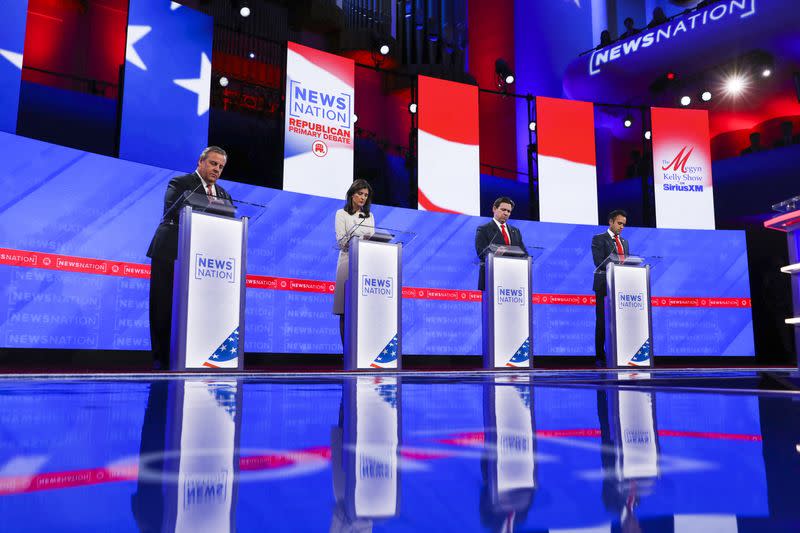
(670, 76)
(244, 10)
(532, 125)
(686, 100)
(384, 49)
(223, 81)
(766, 73)
(412, 108)
(735, 84)
(355, 118)
(628, 122)
(706, 96)
(251, 55)
(648, 135)
(504, 72)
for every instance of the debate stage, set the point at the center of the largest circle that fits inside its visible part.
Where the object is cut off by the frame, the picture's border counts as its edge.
(662, 450)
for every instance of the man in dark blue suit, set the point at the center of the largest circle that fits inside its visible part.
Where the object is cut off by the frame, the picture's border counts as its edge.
(496, 233)
(604, 245)
(164, 246)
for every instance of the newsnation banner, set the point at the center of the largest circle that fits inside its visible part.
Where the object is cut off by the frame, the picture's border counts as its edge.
(682, 169)
(448, 152)
(567, 164)
(318, 147)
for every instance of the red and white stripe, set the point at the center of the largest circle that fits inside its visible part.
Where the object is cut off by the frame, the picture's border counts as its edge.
(567, 163)
(448, 150)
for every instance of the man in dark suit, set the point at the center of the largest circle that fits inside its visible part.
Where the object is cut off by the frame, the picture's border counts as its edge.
(496, 233)
(164, 246)
(603, 245)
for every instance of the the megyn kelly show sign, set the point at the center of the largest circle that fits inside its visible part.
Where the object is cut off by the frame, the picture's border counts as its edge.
(682, 169)
(318, 147)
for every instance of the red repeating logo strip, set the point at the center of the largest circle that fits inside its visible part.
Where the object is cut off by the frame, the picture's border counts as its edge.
(67, 263)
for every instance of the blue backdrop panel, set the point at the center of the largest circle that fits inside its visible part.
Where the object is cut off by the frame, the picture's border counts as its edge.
(167, 84)
(65, 201)
(12, 42)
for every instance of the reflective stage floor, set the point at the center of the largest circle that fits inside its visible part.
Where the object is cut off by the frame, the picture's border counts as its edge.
(551, 451)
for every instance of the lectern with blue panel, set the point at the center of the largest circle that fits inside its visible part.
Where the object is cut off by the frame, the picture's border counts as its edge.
(629, 320)
(209, 288)
(507, 318)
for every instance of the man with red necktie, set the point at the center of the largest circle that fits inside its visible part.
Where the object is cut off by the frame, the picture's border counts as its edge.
(496, 233)
(603, 245)
(164, 247)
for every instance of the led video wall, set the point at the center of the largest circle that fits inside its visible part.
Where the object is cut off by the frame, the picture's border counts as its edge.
(75, 227)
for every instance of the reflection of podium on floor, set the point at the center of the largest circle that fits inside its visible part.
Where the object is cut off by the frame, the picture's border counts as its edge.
(630, 452)
(509, 461)
(365, 453)
(189, 458)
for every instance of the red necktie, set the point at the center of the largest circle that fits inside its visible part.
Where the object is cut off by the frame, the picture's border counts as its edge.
(210, 192)
(620, 249)
(505, 235)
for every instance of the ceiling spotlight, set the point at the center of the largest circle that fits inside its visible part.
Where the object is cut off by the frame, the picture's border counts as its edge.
(670, 76)
(735, 84)
(251, 55)
(532, 125)
(504, 72)
(412, 108)
(706, 96)
(686, 100)
(766, 73)
(384, 49)
(628, 122)
(648, 135)
(223, 81)
(244, 10)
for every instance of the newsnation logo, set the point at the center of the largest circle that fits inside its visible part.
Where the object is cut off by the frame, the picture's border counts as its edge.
(309, 107)
(215, 268)
(673, 29)
(377, 286)
(679, 176)
(631, 300)
(506, 295)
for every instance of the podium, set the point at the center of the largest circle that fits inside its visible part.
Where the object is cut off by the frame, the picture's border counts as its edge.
(209, 284)
(629, 319)
(373, 299)
(507, 317)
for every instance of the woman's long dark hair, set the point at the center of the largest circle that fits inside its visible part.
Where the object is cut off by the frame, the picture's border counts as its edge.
(354, 188)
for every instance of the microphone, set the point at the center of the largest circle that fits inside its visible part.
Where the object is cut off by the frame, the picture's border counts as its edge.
(488, 246)
(347, 236)
(178, 200)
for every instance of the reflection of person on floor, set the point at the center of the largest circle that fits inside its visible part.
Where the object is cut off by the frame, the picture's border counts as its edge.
(502, 512)
(340, 518)
(147, 503)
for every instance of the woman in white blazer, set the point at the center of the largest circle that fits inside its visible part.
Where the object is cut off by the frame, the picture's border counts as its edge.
(354, 219)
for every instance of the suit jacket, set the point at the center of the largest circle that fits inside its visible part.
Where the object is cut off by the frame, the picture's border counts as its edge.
(603, 246)
(489, 234)
(165, 241)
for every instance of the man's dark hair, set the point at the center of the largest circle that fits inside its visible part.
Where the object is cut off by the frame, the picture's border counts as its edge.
(503, 200)
(615, 213)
